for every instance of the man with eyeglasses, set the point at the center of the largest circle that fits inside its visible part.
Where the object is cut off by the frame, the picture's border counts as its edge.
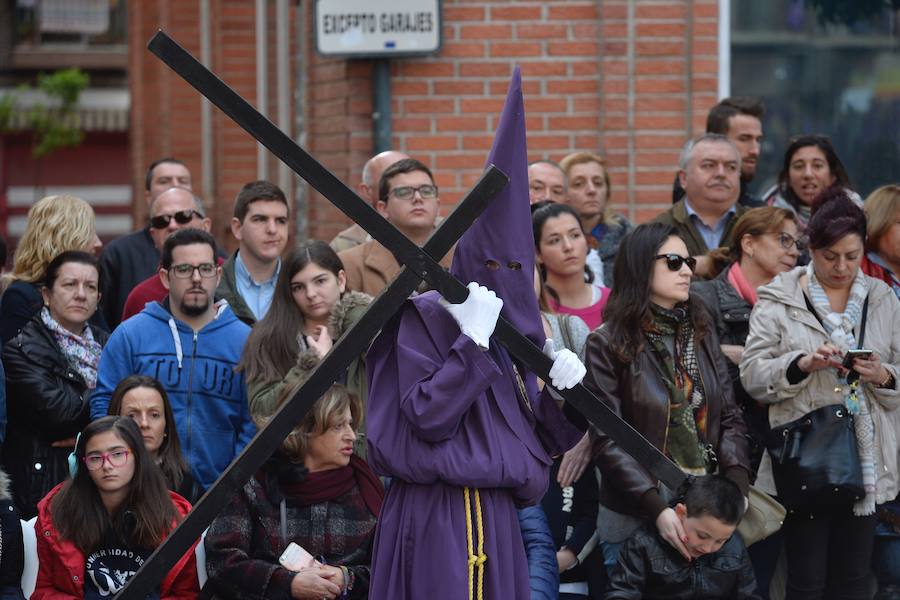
(173, 209)
(130, 259)
(191, 344)
(408, 198)
(367, 190)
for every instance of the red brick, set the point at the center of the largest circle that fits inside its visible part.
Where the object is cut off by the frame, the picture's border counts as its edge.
(617, 49)
(547, 142)
(431, 105)
(660, 66)
(577, 123)
(706, 66)
(646, 141)
(413, 68)
(545, 105)
(572, 48)
(463, 13)
(702, 10)
(404, 124)
(657, 177)
(615, 68)
(708, 47)
(675, 10)
(460, 123)
(582, 104)
(656, 48)
(660, 104)
(543, 31)
(584, 67)
(614, 31)
(658, 85)
(615, 142)
(501, 49)
(484, 69)
(661, 197)
(710, 28)
(456, 87)
(485, 32)
(515, 13)
(530, 86)
(615, 86)
(480, 105)
(574, 86)
(409, 88)
(611, 11)
(657, 158)
(463, 50)
(588, 142)
(657, 29)
(572, 11)
(432, 142)
(459, 161)
(477, 142)
(542, 68)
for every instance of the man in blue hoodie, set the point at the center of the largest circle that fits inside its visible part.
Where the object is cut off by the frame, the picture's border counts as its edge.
(191, 344)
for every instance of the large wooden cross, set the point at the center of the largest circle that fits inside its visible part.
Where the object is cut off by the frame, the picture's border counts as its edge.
(418, 264)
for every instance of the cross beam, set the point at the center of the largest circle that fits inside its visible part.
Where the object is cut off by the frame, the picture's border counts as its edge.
(418, 263)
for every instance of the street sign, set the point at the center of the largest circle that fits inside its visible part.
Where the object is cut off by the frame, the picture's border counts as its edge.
(377, 28)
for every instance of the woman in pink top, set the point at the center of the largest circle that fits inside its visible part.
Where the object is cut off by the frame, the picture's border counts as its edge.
(562, 248)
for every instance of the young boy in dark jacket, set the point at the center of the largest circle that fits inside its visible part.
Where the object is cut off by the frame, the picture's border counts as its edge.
(719, 567)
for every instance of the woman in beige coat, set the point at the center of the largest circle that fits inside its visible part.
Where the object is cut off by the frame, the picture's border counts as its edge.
(803, 323)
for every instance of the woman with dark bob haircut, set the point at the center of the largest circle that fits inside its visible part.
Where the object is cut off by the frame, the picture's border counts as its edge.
(657, 362)
(802, 325)
(146, 402)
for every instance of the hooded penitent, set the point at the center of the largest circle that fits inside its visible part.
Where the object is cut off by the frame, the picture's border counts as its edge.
(449, 424)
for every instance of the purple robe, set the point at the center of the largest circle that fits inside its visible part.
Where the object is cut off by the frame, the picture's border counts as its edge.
(444, 415)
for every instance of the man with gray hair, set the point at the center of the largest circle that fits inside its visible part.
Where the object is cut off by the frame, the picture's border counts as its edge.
(546, 182)
(710, 171)
(368, 190)
(174, 209)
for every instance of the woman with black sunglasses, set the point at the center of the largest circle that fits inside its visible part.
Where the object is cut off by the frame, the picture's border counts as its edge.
(656, 361)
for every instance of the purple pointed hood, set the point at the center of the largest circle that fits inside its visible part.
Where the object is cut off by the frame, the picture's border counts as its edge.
(497, 251)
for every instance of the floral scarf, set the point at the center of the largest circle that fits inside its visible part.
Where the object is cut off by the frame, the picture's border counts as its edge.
(81, 352)
(839, 327)
(681, 376)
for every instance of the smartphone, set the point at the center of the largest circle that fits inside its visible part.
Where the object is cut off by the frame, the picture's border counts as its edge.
(852, 355)
(296, 558)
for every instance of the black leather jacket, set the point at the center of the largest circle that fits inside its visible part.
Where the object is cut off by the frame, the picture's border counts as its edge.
(649, 568)
(731, 314)
(47, 401)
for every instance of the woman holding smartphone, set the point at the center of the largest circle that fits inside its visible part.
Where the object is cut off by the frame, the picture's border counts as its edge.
(800, 357)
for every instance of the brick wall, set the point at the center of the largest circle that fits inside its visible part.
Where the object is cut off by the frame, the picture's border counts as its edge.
(628, 78)
(631, 79)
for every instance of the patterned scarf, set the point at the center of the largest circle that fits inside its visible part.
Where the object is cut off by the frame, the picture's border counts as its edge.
(839, 327)
(681, 376)
(81, 352)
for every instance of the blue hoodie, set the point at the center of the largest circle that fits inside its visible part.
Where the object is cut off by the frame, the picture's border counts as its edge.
(209, 399)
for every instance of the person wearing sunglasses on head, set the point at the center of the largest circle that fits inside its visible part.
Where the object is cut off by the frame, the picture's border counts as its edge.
(192, 344)
(657, 363)
(408, 199)
(174, 209)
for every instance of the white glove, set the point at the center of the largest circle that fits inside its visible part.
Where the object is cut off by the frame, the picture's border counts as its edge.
(477, 315)
(567, 370)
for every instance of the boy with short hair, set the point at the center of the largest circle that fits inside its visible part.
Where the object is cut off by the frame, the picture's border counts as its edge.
(650, 568)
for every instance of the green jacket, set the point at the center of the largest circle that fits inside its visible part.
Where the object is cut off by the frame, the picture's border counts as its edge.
(228, 291)
(263, 395)
(678, 217)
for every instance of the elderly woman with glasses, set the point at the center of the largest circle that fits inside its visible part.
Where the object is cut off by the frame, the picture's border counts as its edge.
(657, 362)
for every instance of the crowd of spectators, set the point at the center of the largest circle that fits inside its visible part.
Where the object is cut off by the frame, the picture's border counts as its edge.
(135, 374)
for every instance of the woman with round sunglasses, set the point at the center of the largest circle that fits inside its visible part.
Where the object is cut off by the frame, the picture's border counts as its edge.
(796, 361)
(561, 249)
(95, 530)
(656, 361)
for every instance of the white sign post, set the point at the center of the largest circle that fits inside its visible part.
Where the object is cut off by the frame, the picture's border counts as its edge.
(377, 28)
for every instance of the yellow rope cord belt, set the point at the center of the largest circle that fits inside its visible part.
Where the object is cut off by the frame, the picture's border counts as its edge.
(475, 560)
